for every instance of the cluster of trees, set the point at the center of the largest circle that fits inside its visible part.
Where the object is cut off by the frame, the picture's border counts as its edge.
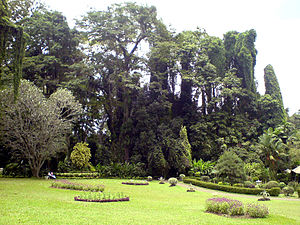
(147, 94)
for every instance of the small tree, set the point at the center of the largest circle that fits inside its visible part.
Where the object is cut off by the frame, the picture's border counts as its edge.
(35, 127)
(81, 155)
(230, 167)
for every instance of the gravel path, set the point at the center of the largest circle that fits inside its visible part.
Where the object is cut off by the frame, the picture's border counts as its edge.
(216, 192)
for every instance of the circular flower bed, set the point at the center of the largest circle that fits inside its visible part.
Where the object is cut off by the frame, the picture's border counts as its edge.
(132, 182)
(101, 197)
(101, 200)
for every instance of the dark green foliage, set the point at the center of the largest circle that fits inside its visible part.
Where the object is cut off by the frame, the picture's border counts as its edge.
(272, 109)
(124, 170)
(230, 167)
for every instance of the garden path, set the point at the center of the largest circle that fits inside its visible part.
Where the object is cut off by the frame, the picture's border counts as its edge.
(216, 192)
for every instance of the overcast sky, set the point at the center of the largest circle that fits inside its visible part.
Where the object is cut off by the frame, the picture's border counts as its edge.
(277, 23)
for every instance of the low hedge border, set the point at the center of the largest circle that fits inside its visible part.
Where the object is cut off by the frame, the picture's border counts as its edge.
(227, 188)
(78, 175)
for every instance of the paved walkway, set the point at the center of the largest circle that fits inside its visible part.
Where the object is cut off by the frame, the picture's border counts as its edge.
(216, 192)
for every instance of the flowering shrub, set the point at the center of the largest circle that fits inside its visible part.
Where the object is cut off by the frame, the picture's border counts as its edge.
(65, 184)
(257, 211)
(225, 206)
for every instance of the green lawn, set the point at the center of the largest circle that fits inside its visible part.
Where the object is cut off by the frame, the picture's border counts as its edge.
(31, 201)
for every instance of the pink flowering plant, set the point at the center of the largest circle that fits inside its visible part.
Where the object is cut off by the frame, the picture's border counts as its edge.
(257, 211)
(225, 206)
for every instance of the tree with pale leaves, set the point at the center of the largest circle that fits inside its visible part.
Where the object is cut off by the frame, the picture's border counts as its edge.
(34, 126)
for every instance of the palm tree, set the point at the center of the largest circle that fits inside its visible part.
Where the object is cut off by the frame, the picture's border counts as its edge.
(271, 149)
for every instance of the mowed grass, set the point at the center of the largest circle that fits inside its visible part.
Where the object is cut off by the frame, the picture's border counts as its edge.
(32, 201)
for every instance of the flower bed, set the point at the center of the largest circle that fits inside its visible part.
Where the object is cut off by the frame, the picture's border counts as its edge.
(101, 197)
(65, 184)
(136, 182)
(231, 207)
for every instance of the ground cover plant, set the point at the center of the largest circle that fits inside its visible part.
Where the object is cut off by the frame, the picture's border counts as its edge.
(31, 201)
(101, 197)
(65, 184)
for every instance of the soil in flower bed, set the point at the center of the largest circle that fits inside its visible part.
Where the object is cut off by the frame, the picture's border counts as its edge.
(133, 183)
(101, 200)
(263, 199)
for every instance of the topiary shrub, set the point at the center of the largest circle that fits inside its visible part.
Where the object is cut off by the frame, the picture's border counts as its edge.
(282, 185)
(181, 176)
(288, 191)
(149, 178)
(172, 181)
(274, 191)
(81, 155)
(272, 184)
(249, 184)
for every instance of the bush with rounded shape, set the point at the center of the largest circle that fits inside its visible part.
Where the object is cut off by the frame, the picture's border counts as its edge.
(257, 211)
(288, 191)
(272, 184)
(181, 177)
(282, 185)
(149, 178)
(249, 184)
(81, 155)
(173, 181)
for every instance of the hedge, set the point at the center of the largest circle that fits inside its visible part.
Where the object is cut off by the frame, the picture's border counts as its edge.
(77, 175)
(233, 189)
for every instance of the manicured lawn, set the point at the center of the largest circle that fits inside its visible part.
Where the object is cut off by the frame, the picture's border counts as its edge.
(31, 201)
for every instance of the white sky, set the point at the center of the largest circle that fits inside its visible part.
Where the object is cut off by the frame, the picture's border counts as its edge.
(277, 23)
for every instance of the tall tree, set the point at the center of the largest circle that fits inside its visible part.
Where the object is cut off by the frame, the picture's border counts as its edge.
(277, 114)
(12, 44)
(115, 36)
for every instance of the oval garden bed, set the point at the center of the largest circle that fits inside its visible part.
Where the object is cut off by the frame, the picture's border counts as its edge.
(101, 197)
(136, 182)
(65, 184)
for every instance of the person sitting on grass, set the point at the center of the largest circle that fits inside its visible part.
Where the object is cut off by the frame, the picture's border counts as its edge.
(51, 175)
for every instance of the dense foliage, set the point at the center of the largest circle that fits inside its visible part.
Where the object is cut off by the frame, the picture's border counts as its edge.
(154, 101)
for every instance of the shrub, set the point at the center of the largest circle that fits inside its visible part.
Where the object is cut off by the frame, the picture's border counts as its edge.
(197, 174)
(257, 211)
(173, 181)
(282, 185)
(274, 191)
(255, 179)
(293, 184)
(288, 191)
(181, 176)
(238, 185)
(205, 178)
(161, 180)
(272, 184)
(298, 190)
(224, 206)
(149, 178)
(81, 155)
(249, 184)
